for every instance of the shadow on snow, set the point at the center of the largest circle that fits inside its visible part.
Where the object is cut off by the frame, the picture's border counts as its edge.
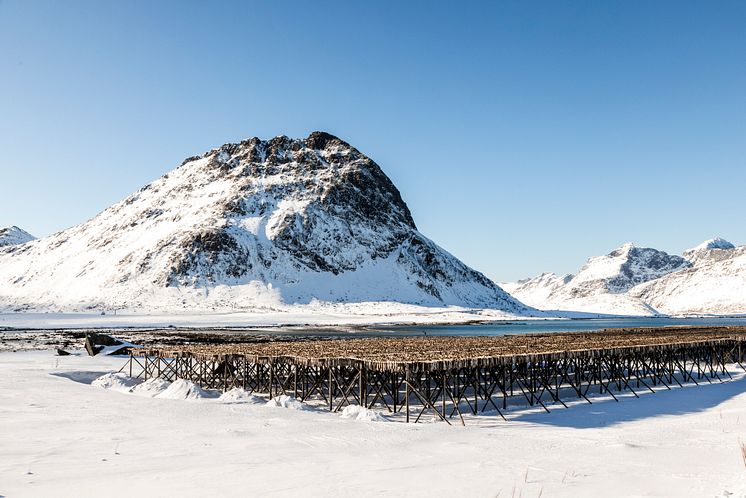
(605, 412)
(82, 377)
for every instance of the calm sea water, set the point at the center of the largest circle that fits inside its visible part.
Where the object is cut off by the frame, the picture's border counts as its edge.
(547, 326)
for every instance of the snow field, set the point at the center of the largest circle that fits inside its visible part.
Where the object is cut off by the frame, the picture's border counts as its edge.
(317, 313)
(61, 436)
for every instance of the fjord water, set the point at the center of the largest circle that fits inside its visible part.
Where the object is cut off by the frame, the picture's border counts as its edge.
(550, 326)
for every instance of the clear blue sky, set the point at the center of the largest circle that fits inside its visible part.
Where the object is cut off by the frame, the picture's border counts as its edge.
(525, 136)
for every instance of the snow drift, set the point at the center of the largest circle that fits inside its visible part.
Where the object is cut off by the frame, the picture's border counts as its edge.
(285, 401)
(362, 414)
(151, 387)
(115, 381)
(185, 389)
(239, 395)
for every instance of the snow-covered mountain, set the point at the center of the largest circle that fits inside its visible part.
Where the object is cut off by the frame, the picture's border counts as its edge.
(12, 236)
(709, 279)
(622, 269)
(250, 224)
(714, 284)
(602, 283)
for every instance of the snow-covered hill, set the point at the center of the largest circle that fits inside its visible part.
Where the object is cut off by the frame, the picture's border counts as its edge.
(12, 236)
(709, 279)
(244, 226)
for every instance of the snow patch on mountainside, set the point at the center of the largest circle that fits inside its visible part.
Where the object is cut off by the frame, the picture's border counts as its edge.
(253, 225)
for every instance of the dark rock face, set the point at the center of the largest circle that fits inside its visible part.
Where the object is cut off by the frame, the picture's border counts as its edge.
(208, 250)
(333, 180)
(318, 140)
(644, 264)
(95, 343)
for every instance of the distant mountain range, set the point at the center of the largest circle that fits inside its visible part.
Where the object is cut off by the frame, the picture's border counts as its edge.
(707, 279)
(255, 224)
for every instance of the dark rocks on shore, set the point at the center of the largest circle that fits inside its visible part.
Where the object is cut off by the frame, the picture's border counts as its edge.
(95, 343)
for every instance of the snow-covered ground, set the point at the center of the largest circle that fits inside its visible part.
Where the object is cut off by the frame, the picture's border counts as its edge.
(319, 314)
(62, 436)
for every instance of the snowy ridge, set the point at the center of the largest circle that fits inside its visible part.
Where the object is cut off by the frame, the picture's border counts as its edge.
(253, 225)
(12, 236)
(709, 279)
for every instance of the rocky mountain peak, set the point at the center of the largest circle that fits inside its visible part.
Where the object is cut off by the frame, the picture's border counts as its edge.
(627, 266)
(622, 250)
(13, 235)
(709, 244)
(321, 166)
(711, 250)
(319, 140)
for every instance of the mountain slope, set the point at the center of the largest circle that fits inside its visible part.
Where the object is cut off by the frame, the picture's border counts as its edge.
(246, 225)
(12, 236)
(538, 289)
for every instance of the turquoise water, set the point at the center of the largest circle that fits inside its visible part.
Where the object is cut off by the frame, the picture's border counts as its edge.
(547, 326)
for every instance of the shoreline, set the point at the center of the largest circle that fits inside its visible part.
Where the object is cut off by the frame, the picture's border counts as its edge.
(29, 339)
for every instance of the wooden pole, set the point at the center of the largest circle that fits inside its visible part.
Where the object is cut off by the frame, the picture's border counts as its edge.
(331, 389)
(406, 390)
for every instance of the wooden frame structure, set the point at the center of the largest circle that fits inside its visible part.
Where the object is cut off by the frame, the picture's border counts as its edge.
(447, 377)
